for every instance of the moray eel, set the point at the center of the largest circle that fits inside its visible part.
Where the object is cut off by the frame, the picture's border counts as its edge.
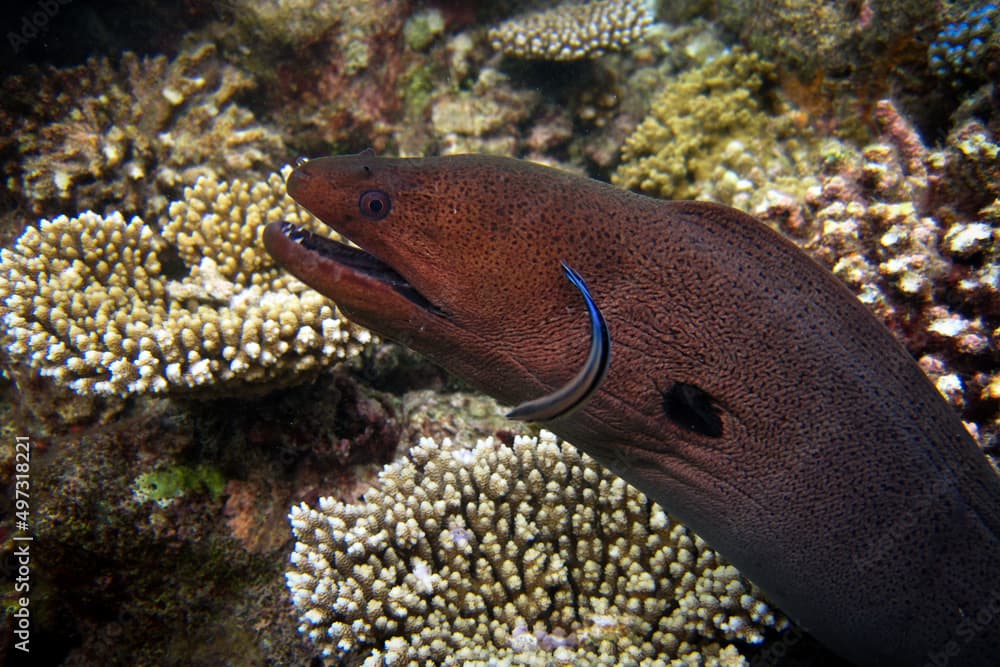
(749, 392)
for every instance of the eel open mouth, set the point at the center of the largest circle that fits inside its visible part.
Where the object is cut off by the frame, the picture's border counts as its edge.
(357, 261)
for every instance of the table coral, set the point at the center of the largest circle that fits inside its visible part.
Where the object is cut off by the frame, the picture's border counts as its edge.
(129, 136)
(574, 30)
(530, 553)
(87, 300)
(712, 134)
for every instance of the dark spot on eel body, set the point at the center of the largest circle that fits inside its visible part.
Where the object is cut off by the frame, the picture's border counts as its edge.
(690, 407)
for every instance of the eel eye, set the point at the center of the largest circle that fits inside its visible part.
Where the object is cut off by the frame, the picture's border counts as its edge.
(375, 204)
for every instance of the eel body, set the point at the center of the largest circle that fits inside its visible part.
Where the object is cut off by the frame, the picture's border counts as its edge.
(749, 393)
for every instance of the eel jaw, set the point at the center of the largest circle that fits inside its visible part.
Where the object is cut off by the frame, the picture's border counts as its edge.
(335, 269)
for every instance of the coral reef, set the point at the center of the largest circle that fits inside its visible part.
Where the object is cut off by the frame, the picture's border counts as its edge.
(828, 36)
(183, 301)
(331, 69)
(567, 113)
(574, 30)
(129, 136)
(837, 59)
(529, 552)
(910, 229)
(296, 22)
(166, 533)
(88, 302)
(421, 29)
(484, 119)
(913, 232)
(713, 133)
(959, 53)
(799, 36)
(965, 175)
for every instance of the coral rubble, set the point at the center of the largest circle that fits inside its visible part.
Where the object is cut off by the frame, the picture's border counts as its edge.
(574, 30)
(88, 302)
(529, 552)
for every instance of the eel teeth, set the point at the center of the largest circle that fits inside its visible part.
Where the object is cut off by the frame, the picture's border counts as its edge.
(295, 233)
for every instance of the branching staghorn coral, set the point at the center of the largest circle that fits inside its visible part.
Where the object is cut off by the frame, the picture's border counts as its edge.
(223, 220)
(531, 553)
(85, 300)
(129, 136)
(574, 30)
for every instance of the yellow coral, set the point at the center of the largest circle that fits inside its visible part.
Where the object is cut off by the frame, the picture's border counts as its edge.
(85, 302)
(129, 135)
(573, 30)
(530, 553)
(711, 135)
(223, 220)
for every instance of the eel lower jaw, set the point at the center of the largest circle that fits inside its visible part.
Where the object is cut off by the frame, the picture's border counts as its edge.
(322, 263)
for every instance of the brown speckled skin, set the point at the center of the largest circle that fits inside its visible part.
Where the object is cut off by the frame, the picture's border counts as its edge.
(842, 484)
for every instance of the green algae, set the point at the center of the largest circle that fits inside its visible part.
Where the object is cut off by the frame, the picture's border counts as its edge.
(417, 85)
(421, 29)
(165, 485)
